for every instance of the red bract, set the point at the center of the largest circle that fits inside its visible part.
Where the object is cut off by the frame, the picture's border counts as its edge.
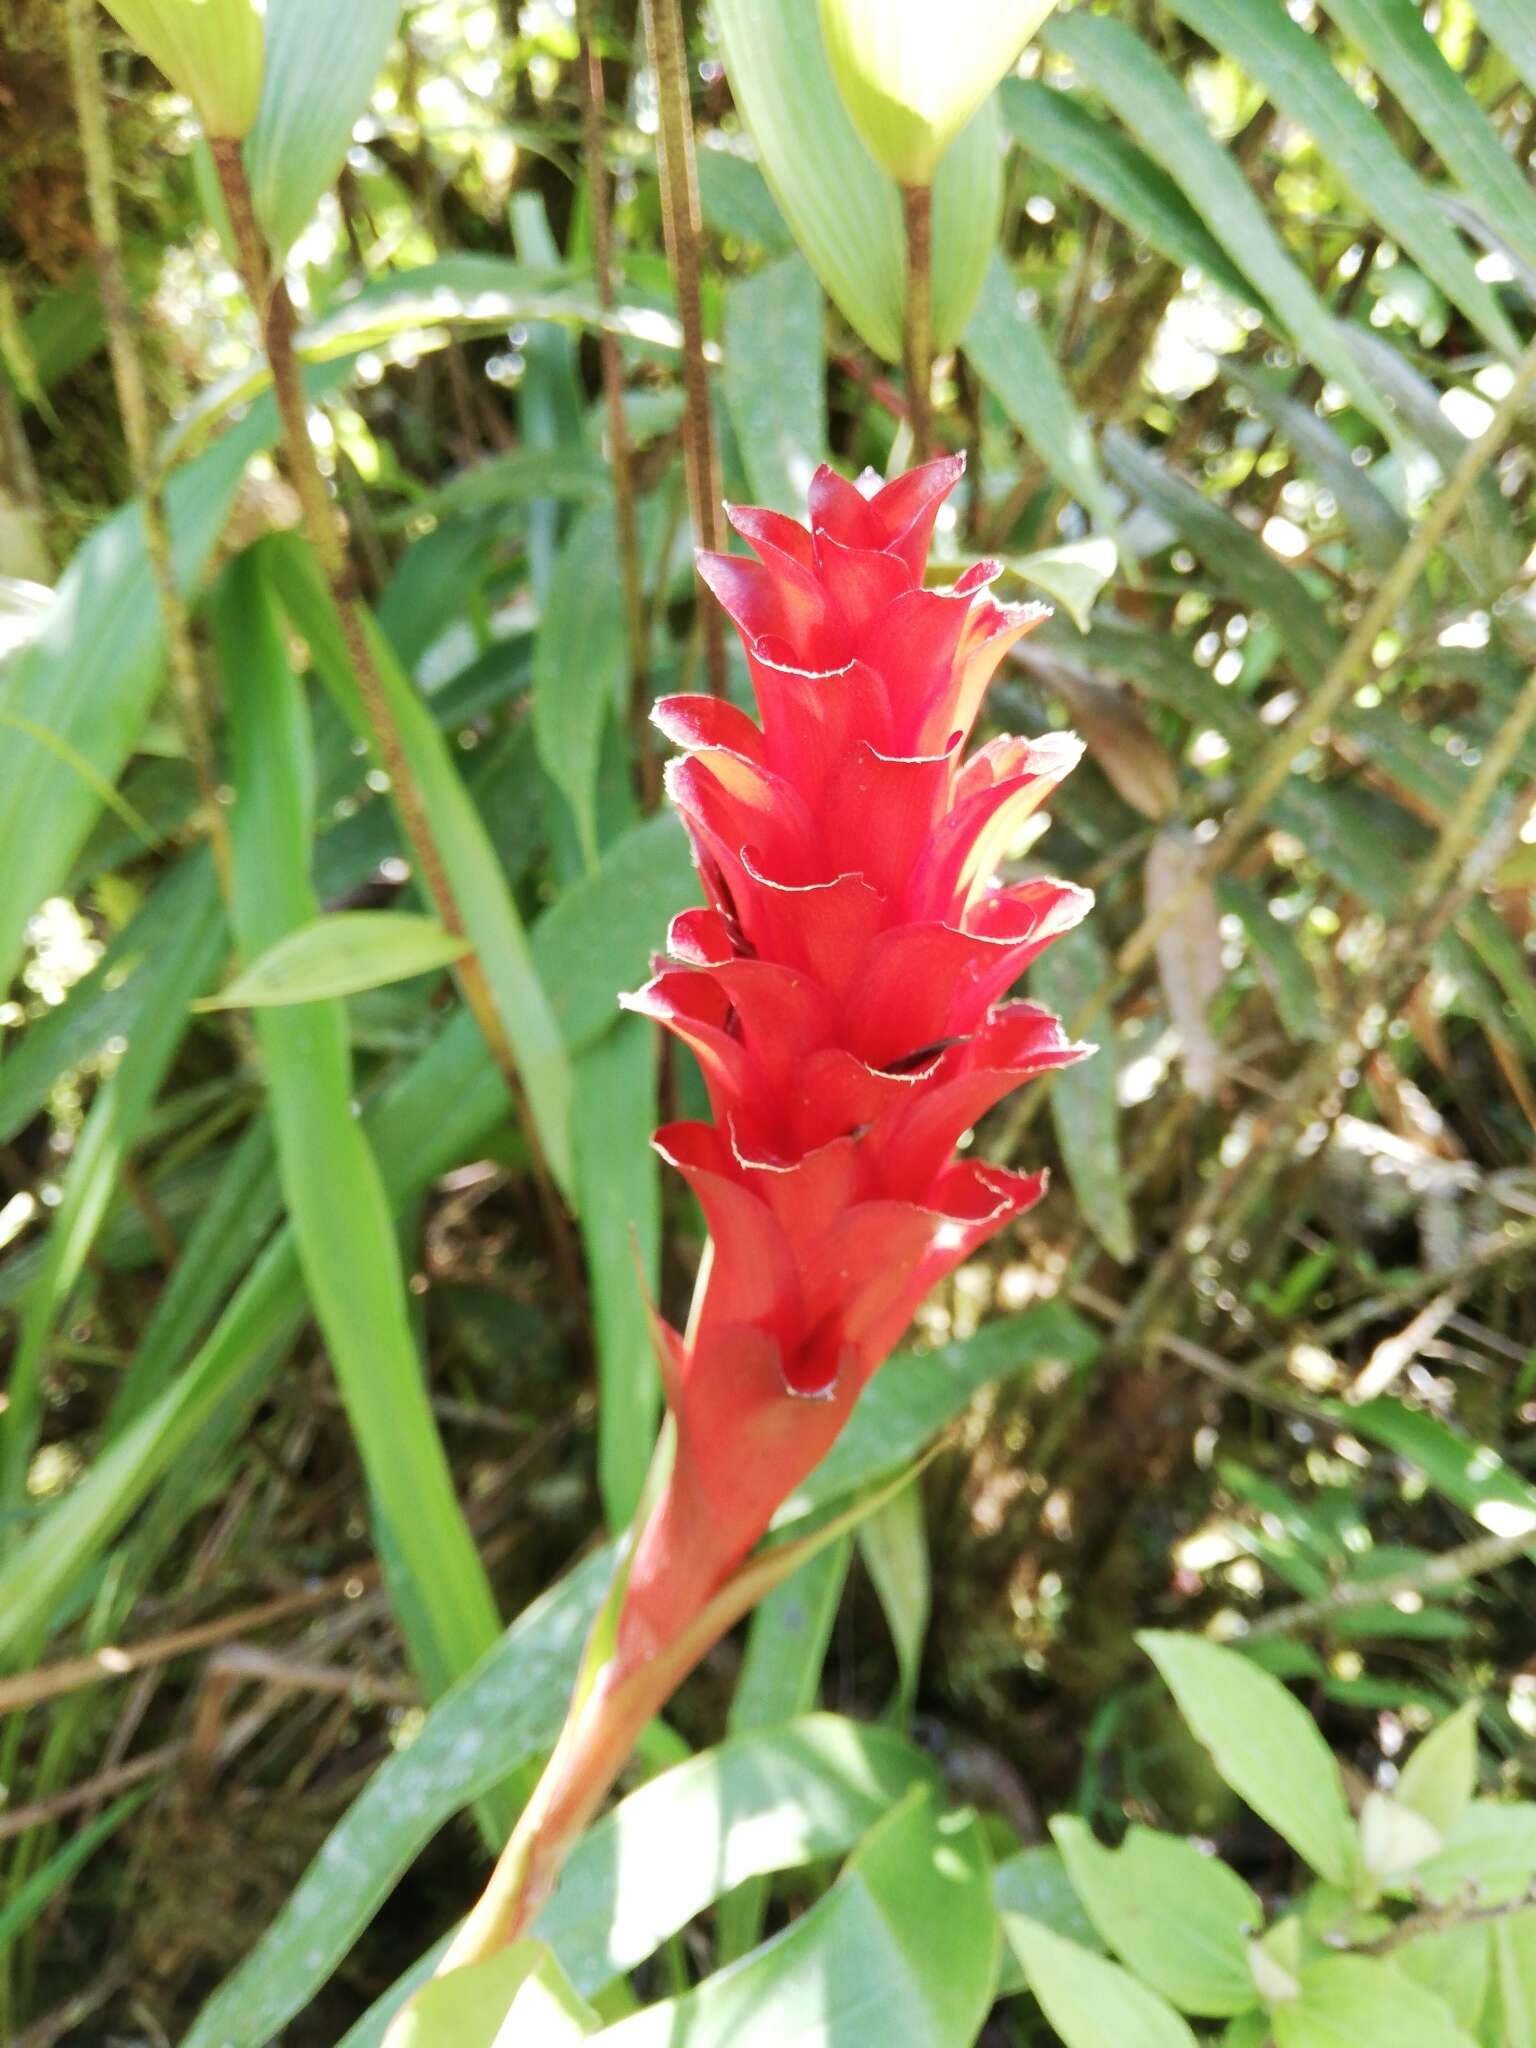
(843, 993)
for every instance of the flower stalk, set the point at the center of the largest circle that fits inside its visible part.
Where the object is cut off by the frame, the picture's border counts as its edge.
(917, 222)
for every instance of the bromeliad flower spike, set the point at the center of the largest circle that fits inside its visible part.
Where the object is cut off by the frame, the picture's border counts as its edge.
(841, 994)
(845, 991)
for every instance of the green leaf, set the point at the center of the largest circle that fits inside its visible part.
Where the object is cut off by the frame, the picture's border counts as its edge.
(1440, 1777)
(1092, 2003)
(773, 379)
(1298, 75)
(474, 873)
(1073, 574)
(331, 1181)
(1352, 2002)
(1155, 107)
(339, 955)
(1109, 167)
(1455, 1963)
(1406, 58)
(321, 64)
(1035, 1883)
(1511, 27)
(844, 211)
(1179, 1919)
(500, 1717)
(464, 293)
(1013, 359)
(29, 1899)
(893, 1543)
(1084, 1109)
(780, 1677)
(735, 200)
(618, 1200)
(1513, 1944)
(1284, 966)
(580, 665)
(468, 2007)
(597, 938)
(1265, 1745)
(901, 1951)
(1470, 1474)
(1490, 1851)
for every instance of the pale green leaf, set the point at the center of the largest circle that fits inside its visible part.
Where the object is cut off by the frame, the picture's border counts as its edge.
(1440, 1776)
(1091, 2002)
(1084, 1110)
(1264, 1743)
(893, 1543)
(1072, 574)
(1353, 2002)
(773, 379)
(339, 955)
(1179, 1919)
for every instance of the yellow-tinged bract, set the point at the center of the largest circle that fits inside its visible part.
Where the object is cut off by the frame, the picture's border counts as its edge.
(212, 50)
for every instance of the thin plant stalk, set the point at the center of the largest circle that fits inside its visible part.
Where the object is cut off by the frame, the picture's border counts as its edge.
(268, 293)
(683, 229)
(133, 405)
(917, 330)
(593, 103)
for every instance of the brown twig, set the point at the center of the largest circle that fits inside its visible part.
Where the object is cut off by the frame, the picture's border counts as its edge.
(917, 326)
(593, 102)
(683, 229)
(133, 404)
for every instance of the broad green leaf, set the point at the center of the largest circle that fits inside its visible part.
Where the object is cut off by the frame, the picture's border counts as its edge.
(1013, 359)
(1394, 1839)
(1084, 1109)
(321, 64)
(1392, 37)
(618, 1201)
(597, 938)
(1101, 161)
(1035, 1883)
(1513, 1944)
(773, 379)
(735, 200)
(1179, 1919)
(580, 665)
(844, 211)
(1455, 1963)
(1264, 1743)
(514, 478)
(339, 955)
(1155, 107)
(1490, 1851)
(901, 1951)
(499, 1717)
(1073, 574)
(1353, 2002)
(893, 1543)
(1298, 75)
(1091, 2002)
(468, 2007)
(1440, 1777)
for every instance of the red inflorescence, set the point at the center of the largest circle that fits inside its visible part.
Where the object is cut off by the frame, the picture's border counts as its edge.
(842, 992)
